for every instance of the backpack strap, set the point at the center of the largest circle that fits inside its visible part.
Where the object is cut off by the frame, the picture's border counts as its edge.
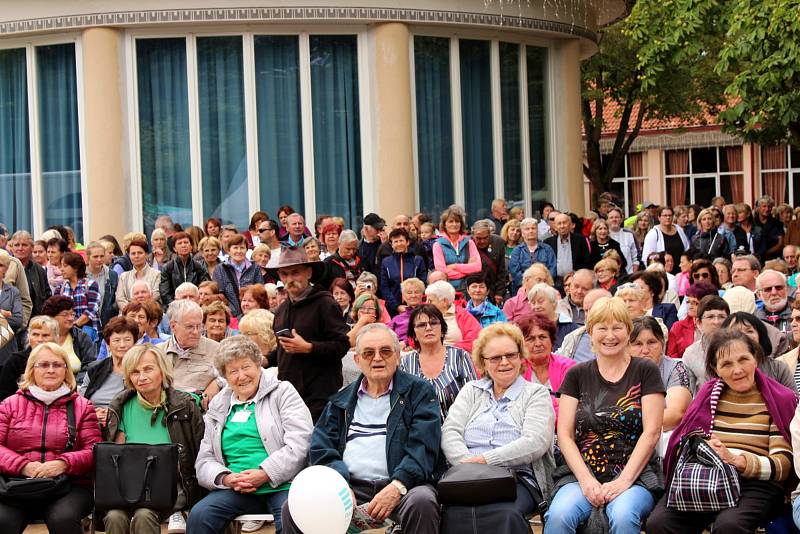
(71, 426)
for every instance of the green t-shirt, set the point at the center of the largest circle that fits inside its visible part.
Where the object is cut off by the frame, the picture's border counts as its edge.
(136, 425)
(241, 444)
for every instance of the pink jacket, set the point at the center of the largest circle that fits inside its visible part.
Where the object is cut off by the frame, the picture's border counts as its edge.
(517, 306)
(469, 326)
(457, 271)
(557, 370)
(23, 438)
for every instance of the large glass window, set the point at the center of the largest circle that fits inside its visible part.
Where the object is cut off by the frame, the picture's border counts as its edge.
(696, 175)
(15, 162)
(337, 136)
(434, 123)
(59, 145)
(628, 188)
(780, 173)
(223, 147)
(476, 127)
(512, 127)
(536, 59)
(280, 138)
(164, 130)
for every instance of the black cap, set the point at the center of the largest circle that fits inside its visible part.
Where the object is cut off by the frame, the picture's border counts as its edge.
(374, 220)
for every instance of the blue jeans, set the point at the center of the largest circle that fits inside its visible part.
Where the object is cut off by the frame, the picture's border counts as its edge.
(796, 512)
(213, 514)
(625, 513)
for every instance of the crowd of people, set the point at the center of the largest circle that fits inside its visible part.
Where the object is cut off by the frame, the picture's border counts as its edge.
(582, 354)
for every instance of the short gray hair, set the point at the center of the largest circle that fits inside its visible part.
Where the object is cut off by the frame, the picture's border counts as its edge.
(768, 272)
(234, 348)
(347, 236)
(765, 199)
(378, 327)
(527, 221)
(548, 291)
(483, 224)
(587, 272)
(441, 290)
(22, 234)
(179, 308)
(187, 286)
(141, 282)
(367, 278)
(755, 265)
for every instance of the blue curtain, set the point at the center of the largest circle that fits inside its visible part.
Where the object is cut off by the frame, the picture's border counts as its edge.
(280, 144)
(220, 84)
(509, 105)
(434, 123)
(59, 138)
(476, 121)
(164, 130)
(536, 59)
(337, 136)
(15, 162)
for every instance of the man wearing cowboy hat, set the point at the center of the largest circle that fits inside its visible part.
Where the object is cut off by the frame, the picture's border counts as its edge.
(312, 334)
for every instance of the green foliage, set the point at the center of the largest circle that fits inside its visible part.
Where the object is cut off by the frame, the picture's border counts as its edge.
(762, 49)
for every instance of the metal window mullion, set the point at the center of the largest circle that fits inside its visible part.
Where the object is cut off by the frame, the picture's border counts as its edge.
(458, 139)
(497, 120)
(525, 133)
(37, 207)
(414, 138)
(195, 159)
(250, 121)
(136, 203)
(307, 122)
(79, 98)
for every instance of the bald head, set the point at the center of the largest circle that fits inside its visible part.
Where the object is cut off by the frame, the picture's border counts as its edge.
(593, 296)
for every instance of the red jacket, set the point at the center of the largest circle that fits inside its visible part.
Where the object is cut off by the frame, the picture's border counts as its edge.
(681, 335)
(470, 328)
(31, 431)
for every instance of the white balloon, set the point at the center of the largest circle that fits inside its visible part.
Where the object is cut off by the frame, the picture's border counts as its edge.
(320, 501)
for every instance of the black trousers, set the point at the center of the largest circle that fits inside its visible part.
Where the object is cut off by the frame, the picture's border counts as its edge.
(497, 518)
(759, 501)
(62, 516)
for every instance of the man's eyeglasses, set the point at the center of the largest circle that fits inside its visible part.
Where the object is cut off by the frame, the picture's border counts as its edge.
(385, 352)
(423, 325)
(510, 357)
(770, 289)
(262, 230)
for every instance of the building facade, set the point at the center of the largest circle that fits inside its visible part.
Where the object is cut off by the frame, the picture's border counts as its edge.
(112, 113)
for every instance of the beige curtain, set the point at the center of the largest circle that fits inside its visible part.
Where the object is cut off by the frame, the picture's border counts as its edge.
(678, 186)
(733, 155)
(774, 157)
(635, 187)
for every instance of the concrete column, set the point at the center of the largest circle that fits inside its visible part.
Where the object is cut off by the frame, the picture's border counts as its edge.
(393, 166)
(107, 193)
(566, 145)
(752, 183)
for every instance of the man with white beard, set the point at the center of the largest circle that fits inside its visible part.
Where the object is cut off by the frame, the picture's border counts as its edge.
(624, 237)
(773, 291)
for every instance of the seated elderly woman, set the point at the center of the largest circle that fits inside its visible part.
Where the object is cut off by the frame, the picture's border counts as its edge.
(368, 283)
(683, 332)
(647, 341)
(609, 421)
(544, 300)
(216, 321)
(34, 443)
(750, 431)
(257, 326)
(412, 290)
(504, 420)
(462, 327)
(343, 294)
(256, 440)
(711, 313)
(151, 411)
(79, 347)
(479, 303)
(366, 310)
(146, 318)
(446, 368)
(607, 270)
(756, 329)
(253, 297)
(652, 284)
(519, 306)
(543, 366)
(10, 308)
(41, 329)
(104, 379)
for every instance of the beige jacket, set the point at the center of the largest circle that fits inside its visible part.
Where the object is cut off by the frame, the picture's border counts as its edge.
(15, 275)
(128, 278)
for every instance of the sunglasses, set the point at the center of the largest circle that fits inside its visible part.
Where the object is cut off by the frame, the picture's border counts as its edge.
(700, 276)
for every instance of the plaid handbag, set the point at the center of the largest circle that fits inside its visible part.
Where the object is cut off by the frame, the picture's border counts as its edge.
(701, 481)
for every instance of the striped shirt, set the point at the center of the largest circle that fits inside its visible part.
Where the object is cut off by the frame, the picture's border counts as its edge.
(743, 423)
(797, 376)
(364, 453)
(456, 372)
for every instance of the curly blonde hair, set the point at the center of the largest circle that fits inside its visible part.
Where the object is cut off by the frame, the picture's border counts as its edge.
(493, 331)
(260, 321)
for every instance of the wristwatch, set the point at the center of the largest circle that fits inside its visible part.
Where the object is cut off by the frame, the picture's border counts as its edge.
(400, 487)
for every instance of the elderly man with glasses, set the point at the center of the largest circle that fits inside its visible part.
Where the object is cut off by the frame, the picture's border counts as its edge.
(773, 291)
(387, 410)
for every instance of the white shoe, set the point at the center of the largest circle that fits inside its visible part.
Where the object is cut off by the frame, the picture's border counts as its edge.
(177, 524)
(251, 526)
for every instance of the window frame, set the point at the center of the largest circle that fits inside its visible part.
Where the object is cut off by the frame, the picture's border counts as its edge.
(247, 33)
(30, 44)
(791, 169)
(550, 133)
(718, 175)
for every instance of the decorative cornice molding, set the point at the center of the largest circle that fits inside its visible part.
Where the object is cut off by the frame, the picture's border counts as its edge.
(673, 141)
(292, 14)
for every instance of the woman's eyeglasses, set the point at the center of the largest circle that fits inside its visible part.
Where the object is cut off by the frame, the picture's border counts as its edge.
(700, 276)
(424, 325)
(50, 365)
(510, 357)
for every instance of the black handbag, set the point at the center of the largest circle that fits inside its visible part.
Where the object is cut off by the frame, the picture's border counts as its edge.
(17, 490)
(472, 484)
(135, 475)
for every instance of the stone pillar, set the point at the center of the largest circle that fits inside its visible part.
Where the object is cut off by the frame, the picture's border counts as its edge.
(566, 145)
(393, 190)
(107, 195)
(655, 190)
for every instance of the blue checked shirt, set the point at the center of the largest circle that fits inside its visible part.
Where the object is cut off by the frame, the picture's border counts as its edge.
(85, 298)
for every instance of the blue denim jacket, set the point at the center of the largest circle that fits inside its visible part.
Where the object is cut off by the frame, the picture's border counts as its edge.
(521, 259)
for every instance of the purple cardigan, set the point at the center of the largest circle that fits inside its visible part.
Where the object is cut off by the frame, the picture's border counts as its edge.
(400, 324)
(780, 400)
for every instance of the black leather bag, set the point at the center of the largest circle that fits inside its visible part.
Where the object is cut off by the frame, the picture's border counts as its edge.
(472, 484)
(135, 475)
(18, 490)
